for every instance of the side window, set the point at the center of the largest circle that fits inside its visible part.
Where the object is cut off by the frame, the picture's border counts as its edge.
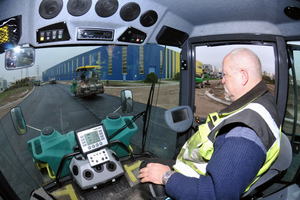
(209, 91)
(291, 125)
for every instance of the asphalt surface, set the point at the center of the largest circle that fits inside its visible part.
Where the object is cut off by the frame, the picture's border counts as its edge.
(53, 105)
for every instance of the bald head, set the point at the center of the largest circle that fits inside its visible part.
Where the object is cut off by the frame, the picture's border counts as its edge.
(245, 59)
(242, 68)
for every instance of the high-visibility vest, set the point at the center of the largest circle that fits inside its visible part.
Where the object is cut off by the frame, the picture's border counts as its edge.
(197, 151)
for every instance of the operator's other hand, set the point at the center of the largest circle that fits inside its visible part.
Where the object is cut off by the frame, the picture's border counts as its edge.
(153, 172)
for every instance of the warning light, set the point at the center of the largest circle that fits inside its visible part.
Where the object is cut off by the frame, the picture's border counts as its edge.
(10, 32)
(4, 34)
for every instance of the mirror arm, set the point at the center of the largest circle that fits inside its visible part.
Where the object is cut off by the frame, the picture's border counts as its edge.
(31, 127)
(117, 109)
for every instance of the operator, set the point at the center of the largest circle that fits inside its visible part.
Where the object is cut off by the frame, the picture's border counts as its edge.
(234, 147)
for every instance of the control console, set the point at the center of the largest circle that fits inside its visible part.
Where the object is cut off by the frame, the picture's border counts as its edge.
(97, 163)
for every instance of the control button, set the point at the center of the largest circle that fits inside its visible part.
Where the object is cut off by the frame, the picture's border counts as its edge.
(54, 34)
(60, 34)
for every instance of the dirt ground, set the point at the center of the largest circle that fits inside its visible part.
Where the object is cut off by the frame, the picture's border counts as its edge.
(166, 96)
(11, 101)
(205, 104)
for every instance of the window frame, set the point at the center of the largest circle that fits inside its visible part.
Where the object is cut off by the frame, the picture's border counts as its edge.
(187, 86)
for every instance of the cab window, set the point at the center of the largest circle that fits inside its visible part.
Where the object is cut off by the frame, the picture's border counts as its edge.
(209, 91)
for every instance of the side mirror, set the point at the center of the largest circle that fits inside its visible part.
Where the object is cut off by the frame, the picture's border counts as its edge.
(18, 120)
(126, 101)
(19, 57)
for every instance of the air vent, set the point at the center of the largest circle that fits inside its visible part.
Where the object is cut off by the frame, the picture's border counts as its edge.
(106, 8)
(50, 8)
(148, 18)
(130, 11)
(79, 7)
(292, 12)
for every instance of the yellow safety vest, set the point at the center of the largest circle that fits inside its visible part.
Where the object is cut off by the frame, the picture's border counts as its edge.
(197, 151)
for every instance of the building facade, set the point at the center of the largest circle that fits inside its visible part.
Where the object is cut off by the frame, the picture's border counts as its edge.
(120, 63)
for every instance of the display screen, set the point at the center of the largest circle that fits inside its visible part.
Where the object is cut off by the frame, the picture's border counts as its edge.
(179, 115)
(92, 137)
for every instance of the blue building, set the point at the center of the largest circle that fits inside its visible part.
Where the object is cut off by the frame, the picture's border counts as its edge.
(120, 63)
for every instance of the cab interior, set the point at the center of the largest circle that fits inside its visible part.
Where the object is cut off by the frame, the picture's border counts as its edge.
(182, 42)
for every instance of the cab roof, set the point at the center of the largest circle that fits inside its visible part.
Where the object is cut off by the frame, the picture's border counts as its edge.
(122, 18)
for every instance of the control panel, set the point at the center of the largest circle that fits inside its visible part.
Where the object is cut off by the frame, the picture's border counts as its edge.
(53, 33)
(89, 177)
(98, 157)
(133, 35)
(92, 139)
(97, 164)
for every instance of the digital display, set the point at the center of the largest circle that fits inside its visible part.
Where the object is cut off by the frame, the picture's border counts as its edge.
(179, 115)
(92, 137)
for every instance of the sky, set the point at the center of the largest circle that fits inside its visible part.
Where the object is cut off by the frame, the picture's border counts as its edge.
(45, 58)
(214, 55)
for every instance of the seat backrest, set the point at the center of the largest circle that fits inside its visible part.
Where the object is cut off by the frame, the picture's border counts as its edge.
(282, 163)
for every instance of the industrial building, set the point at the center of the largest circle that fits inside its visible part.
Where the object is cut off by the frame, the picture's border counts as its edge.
(121, 63)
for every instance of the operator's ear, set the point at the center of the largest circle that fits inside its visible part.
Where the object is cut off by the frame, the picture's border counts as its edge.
(245, 76)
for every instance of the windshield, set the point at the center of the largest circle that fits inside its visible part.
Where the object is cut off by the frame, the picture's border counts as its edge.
(53, 97)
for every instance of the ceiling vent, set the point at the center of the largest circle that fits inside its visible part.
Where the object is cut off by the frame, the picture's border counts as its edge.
(50, 8)
(106, 8)
(148, 18)
(130, 11)
(79, 7)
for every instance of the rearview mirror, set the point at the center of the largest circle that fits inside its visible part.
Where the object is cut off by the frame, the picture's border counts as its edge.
(126, 101)
(19, 57)
(18, 120)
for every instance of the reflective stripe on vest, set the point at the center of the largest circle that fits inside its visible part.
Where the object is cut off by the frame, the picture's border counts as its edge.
(198, 150)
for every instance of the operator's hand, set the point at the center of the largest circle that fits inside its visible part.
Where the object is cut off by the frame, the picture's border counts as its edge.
(153, 172)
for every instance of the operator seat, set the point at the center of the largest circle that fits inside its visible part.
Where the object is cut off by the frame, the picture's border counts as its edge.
(279, 166)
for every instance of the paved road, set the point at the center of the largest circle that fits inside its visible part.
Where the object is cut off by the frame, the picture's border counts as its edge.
(54, 105)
